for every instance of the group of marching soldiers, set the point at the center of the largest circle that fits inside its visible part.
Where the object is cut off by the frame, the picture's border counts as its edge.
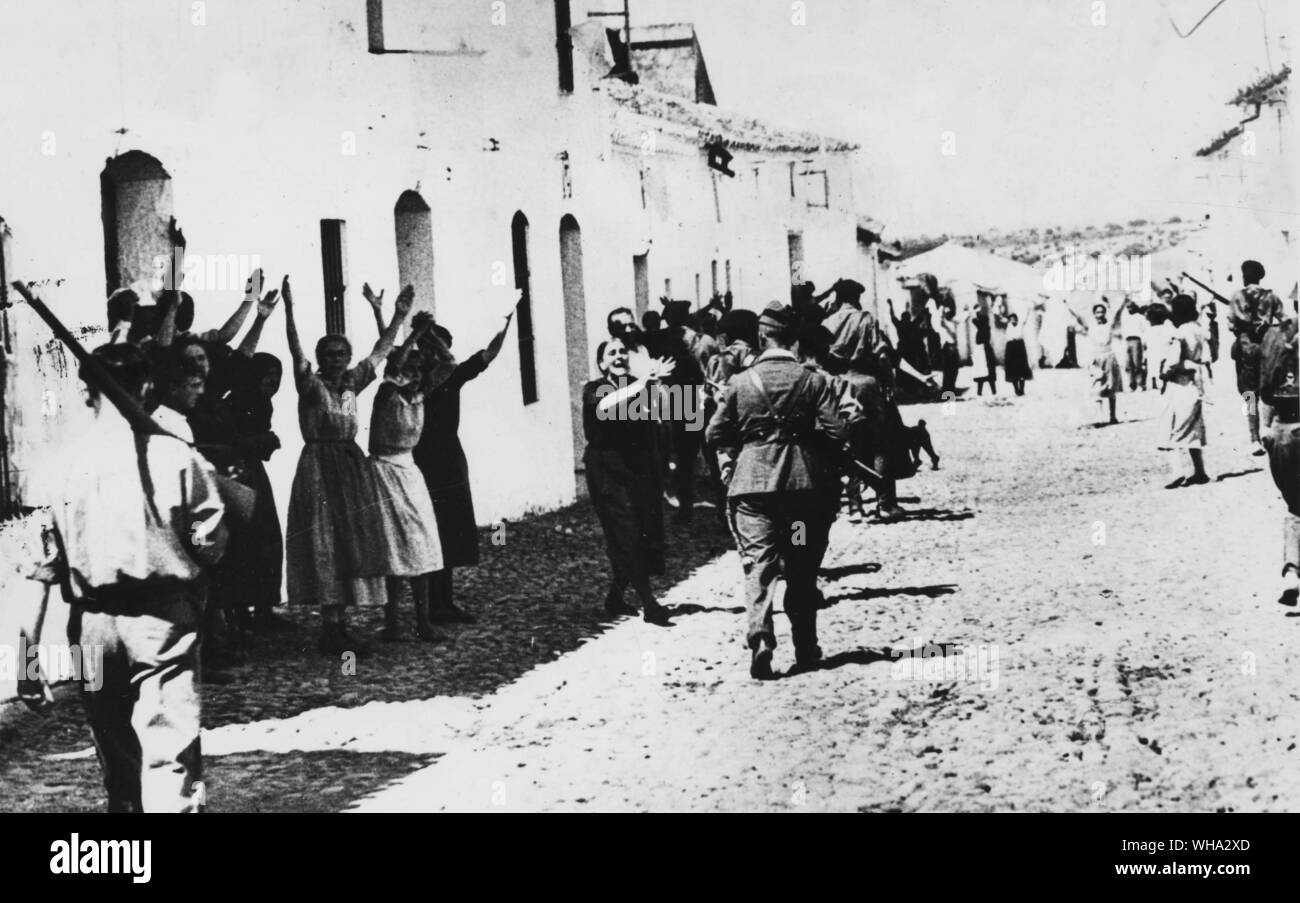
(800, 406)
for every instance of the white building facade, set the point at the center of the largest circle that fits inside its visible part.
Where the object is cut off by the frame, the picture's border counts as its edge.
(468, 147)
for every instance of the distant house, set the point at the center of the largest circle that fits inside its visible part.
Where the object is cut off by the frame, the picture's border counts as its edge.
(1249, 172)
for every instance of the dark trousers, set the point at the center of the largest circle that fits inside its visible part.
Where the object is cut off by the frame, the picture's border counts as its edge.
(780, 535)
(950, 361)
(625, 502)
(1246, 356)
(686, 445)
(991, 363)
(141, 700)
(1283, 445)
(1134, 363)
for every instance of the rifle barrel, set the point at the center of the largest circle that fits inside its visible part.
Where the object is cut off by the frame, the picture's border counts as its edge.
(96, 375)
(1198, 282)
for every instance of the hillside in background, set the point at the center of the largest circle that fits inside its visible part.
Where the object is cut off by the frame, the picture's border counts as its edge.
(1032, 246)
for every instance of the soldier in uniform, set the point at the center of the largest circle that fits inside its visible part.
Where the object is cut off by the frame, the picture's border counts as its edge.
(775, 428)
(1253, 309)
(1277, 387)
(127, 542)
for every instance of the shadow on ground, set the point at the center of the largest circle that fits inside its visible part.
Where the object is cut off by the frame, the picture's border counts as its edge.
(841, 659)
(877, 592)
(537, 595)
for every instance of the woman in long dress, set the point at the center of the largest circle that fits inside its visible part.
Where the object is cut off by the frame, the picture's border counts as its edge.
(1183, 371)
(1015, 365)
(620, 466)
(252, 403)
(410, 524)
(441, 459)
(335, 533)
(1105, 380)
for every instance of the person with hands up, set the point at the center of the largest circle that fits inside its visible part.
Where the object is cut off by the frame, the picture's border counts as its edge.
(441, 459)
(406, 508)
(335, 533)
(617, 419)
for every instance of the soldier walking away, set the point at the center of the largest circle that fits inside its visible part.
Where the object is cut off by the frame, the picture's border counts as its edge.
(137, 522)
(1253, 309)
(1277, 387)
(774, 430)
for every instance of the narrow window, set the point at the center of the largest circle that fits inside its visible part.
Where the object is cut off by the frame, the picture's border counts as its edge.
(375, 25)
(527, 349)
(575, 327)
(413, 225)
(795, 242)
(333, 256)
(641, 283)
(564, 45)
(8, 497)
(139, 230)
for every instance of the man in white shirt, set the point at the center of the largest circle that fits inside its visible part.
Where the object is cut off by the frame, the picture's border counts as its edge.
(136, 523)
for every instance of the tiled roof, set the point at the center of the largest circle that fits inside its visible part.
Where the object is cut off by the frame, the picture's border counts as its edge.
(1260, 91)
(735, 131)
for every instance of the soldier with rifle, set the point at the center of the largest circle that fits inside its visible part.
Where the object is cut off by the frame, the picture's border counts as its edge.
(137, 523)
(1252, 311)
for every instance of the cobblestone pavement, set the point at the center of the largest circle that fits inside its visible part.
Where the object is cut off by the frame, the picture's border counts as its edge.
(1102, 643)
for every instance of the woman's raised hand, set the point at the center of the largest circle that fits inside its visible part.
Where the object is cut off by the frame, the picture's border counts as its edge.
(405, 301)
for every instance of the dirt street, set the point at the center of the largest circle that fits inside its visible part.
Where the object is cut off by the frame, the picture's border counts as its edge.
(1087, 640)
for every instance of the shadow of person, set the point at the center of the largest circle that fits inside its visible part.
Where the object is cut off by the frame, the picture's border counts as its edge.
(860, 656)
(690, 608)
(929, 514)
(879, 592)
(849, 570)
(1237, 473)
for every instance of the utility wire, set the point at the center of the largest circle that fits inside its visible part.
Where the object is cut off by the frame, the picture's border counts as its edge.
(1198, 22)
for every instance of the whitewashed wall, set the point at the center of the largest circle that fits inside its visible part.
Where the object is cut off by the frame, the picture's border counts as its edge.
(272, 115)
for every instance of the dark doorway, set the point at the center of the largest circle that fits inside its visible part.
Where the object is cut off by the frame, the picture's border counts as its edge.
(523, 282)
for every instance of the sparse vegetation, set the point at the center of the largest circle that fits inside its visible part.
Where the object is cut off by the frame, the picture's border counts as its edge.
(1032, 245)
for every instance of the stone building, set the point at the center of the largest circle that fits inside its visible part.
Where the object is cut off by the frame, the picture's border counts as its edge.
(465, 146)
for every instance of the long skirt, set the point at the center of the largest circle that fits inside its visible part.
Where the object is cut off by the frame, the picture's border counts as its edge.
(335, 534)
(622, 493)
(250, 573)
(446, 473)
(1017, 361)
(1183, 416)
(1104, 375)
(410, 525)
